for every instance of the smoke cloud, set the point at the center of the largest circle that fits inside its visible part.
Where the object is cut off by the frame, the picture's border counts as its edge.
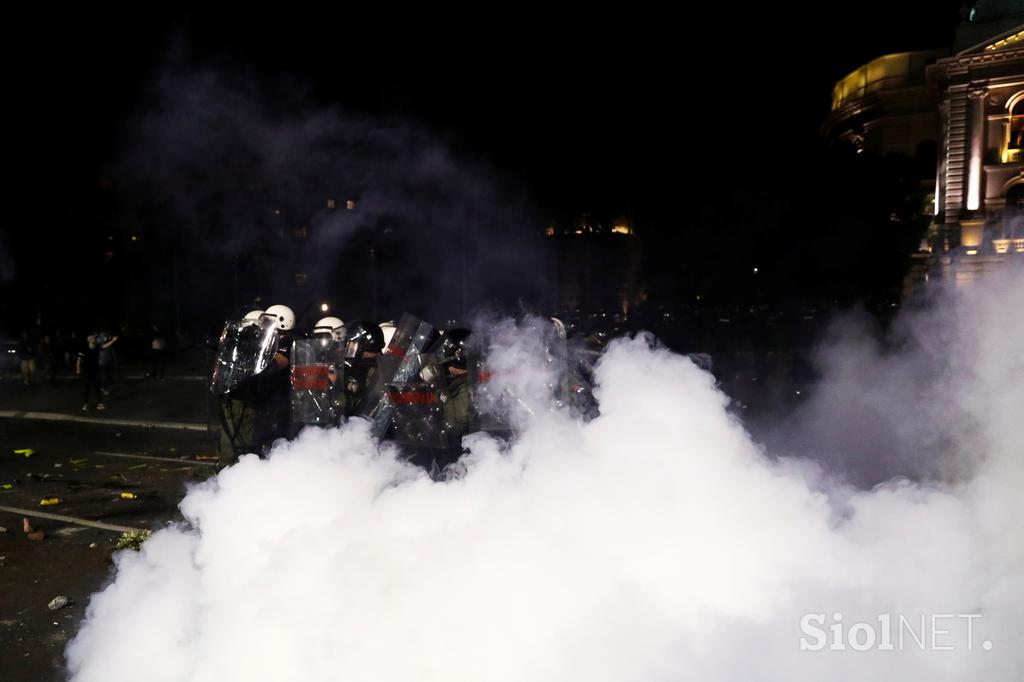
(233, 171)
(654, 542)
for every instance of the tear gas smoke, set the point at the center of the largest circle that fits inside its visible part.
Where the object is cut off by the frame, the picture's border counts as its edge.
(226, 176)
(655, 542)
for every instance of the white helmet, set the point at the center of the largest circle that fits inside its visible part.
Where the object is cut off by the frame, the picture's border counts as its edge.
(252, 317)
(331, 325)
(389, 330)
(282, 315)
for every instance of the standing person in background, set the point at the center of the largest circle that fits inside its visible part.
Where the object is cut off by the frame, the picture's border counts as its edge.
(27, 356)
(106, 360)
(87, 366)
(158, 354)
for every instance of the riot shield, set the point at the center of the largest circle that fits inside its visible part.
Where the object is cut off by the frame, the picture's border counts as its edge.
(417, 410)
(433, 408)
(399, 361)
(315, 400)
(244, 351)
(488, 416)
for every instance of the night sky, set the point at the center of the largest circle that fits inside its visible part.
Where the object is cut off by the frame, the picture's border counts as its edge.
(596, 112)
(596, 105)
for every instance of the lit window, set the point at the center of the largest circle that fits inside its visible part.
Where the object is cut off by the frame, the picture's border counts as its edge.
(332, 204)
(1015, 143)
(1001, 245)
(621, 229)
(550, 232)
(1018, 245)
(350, 204)
(300, 232)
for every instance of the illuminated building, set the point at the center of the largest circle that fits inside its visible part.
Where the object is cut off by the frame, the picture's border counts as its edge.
(968, 101)
(884, 106)
(979, 212)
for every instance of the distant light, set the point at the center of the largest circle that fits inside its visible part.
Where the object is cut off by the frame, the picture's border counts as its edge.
(135, 237)
(972, 252)
(621, 229)
(331, 203)
(324, 307)
(350, 204)
(755, 271)
(550, 232)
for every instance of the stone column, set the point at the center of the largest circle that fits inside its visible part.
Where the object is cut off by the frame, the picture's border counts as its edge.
(976, 95)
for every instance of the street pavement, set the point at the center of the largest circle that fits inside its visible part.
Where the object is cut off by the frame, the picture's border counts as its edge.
(126, 467)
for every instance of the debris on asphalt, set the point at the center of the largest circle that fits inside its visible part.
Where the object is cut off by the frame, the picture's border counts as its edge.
(78, 462)
(28, 452)
(92, 545)
(139, 466)
(36, 536)
(2, 530)
(129, 496)
(49, 501)
(57, 465)
(132, 539)
(69, 531)
(25, 525)
(207, 458)
(58, 603)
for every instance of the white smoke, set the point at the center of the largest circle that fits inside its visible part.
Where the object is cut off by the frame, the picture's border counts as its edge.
(655, 542)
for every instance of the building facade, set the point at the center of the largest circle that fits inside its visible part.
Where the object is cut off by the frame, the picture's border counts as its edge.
(979, 188)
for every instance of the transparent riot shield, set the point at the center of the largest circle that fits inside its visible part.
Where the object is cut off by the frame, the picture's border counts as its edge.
(488, 415)
(244, 350)
(417, 410)
(399, 361)
(418, 402)
(315, 398)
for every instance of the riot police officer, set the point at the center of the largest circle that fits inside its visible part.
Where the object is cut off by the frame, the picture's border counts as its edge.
(236, 361)
(364, 341)
(455, 392)
(317, 398)
(272, 386)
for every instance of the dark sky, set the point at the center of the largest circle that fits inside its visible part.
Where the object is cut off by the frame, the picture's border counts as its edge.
(701, 123)
(587, 108)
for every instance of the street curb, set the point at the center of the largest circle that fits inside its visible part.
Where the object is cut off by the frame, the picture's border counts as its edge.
(60, 417)
(89, 523)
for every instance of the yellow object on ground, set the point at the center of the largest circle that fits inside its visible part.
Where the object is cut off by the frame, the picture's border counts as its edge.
(49, 501)
(76, 462)
(28, 452)
(128, 496)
